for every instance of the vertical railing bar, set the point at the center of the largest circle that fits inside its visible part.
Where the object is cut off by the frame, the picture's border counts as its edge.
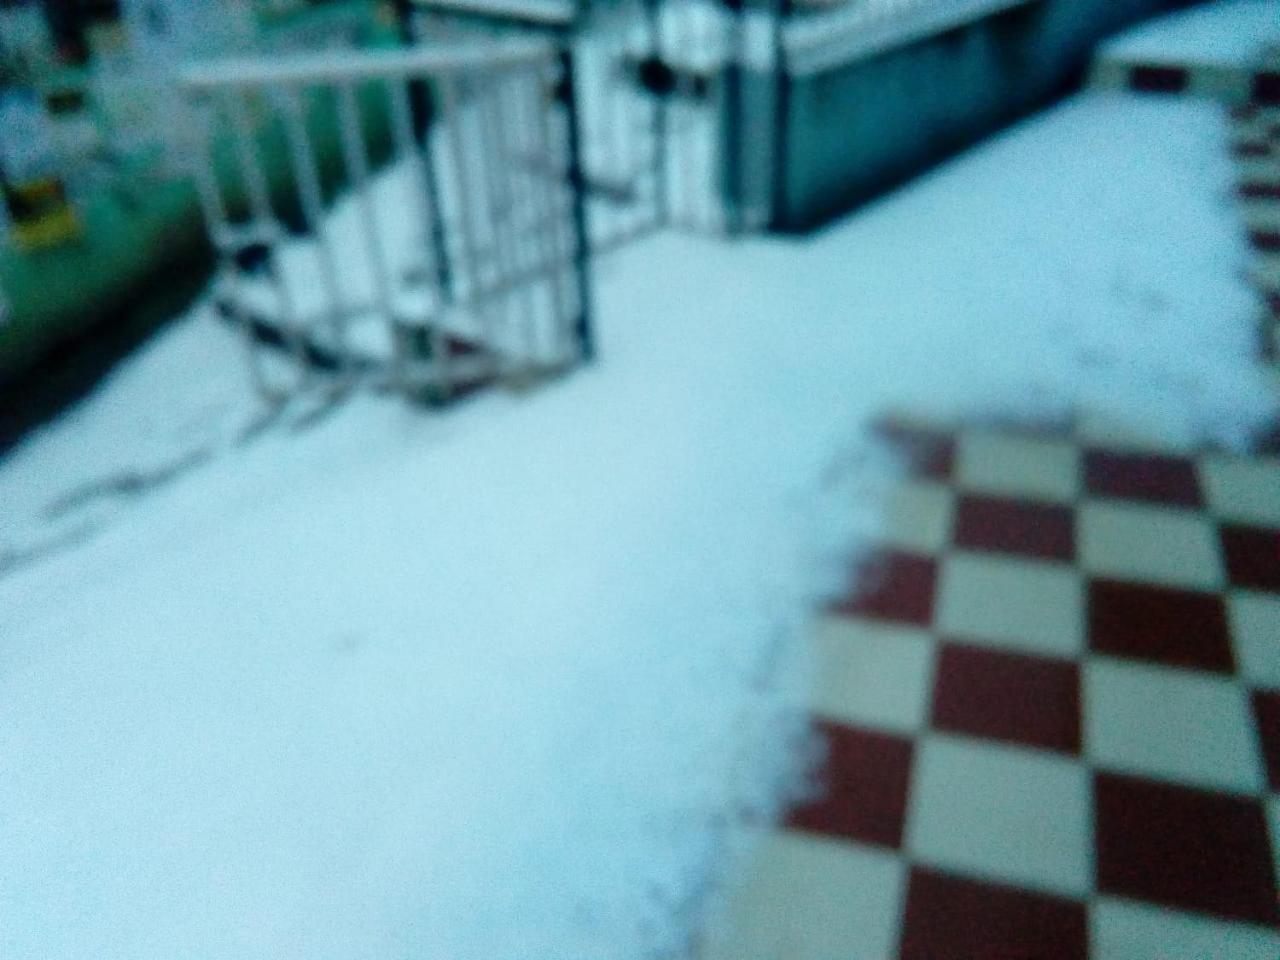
(519, 158)
(357, 163)
(490, 175)
(527, 105)
(729, 135)
(215, 214)
(420, 115)
(259, 193)
(622, 116)
(551, 205)
(206, 179)
(689, 143)
(505, 168)
(302, 157)
(659, 120)
(782, 94)
(529, 237)
(406, 147)
(581, 252)
(255, 179)
(610, 104)
(419, 160)
(462, 175)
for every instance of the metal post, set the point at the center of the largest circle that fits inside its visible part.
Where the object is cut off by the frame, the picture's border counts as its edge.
(420, 163)
(731, 140)
(420, 108)
(578, 199)
(781, 109)
(661, 202)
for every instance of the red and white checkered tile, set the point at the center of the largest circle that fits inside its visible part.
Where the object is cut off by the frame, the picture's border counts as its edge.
(1256, 150)
(1253, 94)
(1053, 716)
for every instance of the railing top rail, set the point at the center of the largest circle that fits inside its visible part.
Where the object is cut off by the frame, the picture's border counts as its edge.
(819, 36)
(338, 67)
(546, 13)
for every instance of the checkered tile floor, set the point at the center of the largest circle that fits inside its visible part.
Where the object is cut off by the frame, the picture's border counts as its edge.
(1256, 148)
(1253, 94)
(1053, 714)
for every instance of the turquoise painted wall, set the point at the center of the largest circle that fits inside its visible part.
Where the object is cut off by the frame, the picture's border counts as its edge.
(857, 129)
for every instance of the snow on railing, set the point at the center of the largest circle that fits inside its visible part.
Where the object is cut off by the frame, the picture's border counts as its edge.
(457, 263)
(822, 33)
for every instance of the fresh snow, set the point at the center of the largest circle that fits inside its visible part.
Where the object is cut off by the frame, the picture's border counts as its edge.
(517, 681)
(1229, 33)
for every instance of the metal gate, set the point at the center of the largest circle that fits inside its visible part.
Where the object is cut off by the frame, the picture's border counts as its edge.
(658, 87)
(456, 252)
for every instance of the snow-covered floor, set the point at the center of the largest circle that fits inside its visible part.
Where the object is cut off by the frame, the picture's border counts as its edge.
(1228, 33)
(516, 681)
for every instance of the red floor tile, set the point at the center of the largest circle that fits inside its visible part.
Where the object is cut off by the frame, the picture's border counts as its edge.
(1156, 479)
(929, 454)
(1023, 527)
(1028, 700)
(1268, 241)
(1158, 79)
(865, 779)
(1260, 190)
(1252, 555)
(1181, 628)
(1266, 711)
(952, 918)
(1266, 88)
(1251, 148)
(894, 586)
(1185, 848)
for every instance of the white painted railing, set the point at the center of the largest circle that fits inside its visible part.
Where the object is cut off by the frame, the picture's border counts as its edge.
(455, 263)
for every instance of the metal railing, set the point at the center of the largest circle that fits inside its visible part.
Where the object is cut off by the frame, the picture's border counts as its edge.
(524, 136)
(458, 260)
(654, 83)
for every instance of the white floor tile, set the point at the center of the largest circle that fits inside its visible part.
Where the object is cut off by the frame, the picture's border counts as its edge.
(1243, 490)
(919, 516)
(1181, 725)
(1121, 433)
(808, 898)
(1149, 544)
(1019, 466)
(1255, 168)
(1007, 602)
(1004, 813)
(1255, 629)
(872, 674)
(1126, 930)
